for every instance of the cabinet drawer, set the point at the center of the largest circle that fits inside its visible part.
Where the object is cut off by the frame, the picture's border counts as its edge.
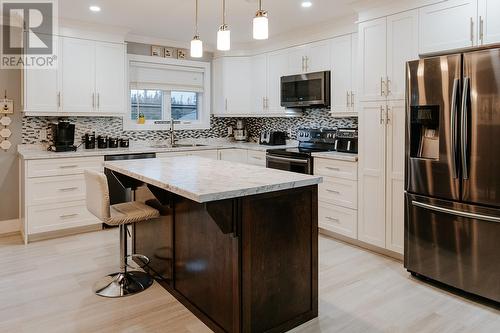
(58, 216)
(343, 221)
(63, 166)
(47, 190)
(173, 154)
(342, 192)
(338, 169)
(257, 158)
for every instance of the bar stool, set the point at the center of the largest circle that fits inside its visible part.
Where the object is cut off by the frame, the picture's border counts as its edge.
(125, 282)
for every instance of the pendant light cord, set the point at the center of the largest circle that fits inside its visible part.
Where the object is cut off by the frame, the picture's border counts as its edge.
(196, 19)
(223, 12)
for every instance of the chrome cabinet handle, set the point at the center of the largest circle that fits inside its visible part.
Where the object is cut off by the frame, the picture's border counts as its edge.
(332, 219)
(382, 83)
(98, 100)
(333, 191)
(59, 99)
(332, 168)
(303, 63)
(347, 99)
(225, 104)
(388, 87)
(68, 166)
(307, 63)
(456, 212)
(382, 120)
(481, 29)
(387, 119)
(263, 102)
(66, 216)
(352, 99)
(67, 189)
(93, 100)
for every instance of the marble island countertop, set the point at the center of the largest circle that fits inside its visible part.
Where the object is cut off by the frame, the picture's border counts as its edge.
(33, 152)
(203, 180)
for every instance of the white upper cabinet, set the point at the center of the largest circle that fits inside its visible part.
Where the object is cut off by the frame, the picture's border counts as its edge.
(489, 24)
(234, 74)
(402, 46)
(314, 57)
(277, 67)
(448, 25)
(78, 75)
(342, 69)
(110, 78)
(372, 60)
(258, 92)
(90, 78)
(319, 57)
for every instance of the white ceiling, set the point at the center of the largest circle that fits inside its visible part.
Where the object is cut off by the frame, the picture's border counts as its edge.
(174, 19)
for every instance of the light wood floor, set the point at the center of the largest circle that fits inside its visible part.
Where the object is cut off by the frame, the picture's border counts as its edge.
(46, 287)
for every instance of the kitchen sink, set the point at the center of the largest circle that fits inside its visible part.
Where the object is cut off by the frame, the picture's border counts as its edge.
(178, 145)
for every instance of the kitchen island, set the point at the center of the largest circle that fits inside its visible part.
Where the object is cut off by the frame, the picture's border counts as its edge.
(236, 244)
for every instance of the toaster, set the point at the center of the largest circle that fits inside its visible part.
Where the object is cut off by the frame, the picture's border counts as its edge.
(272, 138)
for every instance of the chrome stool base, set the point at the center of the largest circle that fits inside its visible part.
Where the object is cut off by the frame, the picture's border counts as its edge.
(123, 284)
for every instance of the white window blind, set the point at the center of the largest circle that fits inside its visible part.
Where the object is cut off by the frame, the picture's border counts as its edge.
(165, 77)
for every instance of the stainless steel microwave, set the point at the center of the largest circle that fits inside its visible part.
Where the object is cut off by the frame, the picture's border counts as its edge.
(306, 90)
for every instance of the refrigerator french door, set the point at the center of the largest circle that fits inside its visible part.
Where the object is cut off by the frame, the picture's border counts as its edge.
(452, 216)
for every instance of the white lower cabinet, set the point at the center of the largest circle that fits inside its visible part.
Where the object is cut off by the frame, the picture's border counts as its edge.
(337, 196)
(211, 154)
(53, 196)
(256, 158)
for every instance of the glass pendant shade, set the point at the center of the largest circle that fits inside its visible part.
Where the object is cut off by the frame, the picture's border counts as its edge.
(196, 47)
(260, 26)
(223, 39)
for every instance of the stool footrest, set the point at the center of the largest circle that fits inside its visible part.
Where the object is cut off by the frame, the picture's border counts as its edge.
(123, 284)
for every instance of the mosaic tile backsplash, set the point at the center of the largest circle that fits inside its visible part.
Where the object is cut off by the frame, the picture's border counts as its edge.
(112, 126)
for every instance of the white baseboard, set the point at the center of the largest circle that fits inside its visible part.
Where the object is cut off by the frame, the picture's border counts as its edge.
(9, 226)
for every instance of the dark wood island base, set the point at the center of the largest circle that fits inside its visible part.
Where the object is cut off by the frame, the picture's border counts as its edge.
(247, 264)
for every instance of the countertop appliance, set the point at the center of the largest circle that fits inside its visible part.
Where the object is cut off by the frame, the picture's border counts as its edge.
(63, 136)
(273, 138)
(240, 133)
(306, 90)
(347, 140)
(452, 218)
(117, 192)
(300, 159)
(89, 141)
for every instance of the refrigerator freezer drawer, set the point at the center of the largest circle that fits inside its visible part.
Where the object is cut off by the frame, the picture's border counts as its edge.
(454, 243)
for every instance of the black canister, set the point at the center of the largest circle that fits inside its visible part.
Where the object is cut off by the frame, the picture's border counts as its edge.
(102, 142)
(113, 142)
(124, 143)
(89, 141)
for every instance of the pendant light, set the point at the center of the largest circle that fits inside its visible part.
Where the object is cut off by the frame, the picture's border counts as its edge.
(224, 34)
(196, 43)
(260, 24)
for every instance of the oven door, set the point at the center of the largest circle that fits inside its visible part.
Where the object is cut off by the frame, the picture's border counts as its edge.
(305, 90)
(298, 165)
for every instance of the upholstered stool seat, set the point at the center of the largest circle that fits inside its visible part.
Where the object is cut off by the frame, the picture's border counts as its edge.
(124, 282)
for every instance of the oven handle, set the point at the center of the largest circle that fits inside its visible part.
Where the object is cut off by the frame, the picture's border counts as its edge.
(286, 159)
(456, 212)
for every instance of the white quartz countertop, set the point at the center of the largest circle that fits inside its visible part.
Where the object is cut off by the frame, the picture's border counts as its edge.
(34, 152)
(203, 180)
(335, 155)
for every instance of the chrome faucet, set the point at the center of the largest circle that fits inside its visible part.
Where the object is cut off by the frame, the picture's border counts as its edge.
(172, 132)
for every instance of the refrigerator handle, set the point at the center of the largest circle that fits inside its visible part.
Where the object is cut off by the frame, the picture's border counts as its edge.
(454, 128)
(455, 212)
(465, 129)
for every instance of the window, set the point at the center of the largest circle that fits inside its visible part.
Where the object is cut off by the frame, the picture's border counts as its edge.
(162, 89)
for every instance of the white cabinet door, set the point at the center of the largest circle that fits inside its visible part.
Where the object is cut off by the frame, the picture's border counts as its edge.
(402, 46)
(233, 155)
(372, 142)
(258, 92)
(318, 57)
(236, 85)
(341, 74)
(395, 176)
(297, 60)
(217, 87)
(277, 67)
(41, 90)
(372, 59)
(78, 75)
(447, 25)
(489, 24)
(110, 78)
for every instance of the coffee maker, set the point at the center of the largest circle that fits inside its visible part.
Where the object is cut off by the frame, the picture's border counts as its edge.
(240, 133)
(63, 136)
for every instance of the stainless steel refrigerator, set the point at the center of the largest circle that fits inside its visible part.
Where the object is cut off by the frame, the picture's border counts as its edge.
(452, 215)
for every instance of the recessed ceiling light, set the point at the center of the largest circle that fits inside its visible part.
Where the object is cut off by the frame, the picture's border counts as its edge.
(95, 8)
(306, 4)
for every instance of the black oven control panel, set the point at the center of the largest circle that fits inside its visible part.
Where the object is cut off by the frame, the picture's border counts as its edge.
(317, 135)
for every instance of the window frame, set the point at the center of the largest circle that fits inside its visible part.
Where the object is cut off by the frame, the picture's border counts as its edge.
(204, 98)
